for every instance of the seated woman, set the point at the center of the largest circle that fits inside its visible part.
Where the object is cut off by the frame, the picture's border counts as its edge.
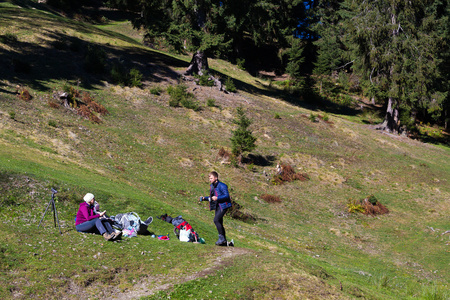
(89, 221)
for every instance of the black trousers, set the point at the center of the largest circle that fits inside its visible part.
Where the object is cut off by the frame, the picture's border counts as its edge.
(218, 219)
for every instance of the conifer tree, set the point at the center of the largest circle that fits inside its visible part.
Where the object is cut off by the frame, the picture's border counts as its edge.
(217, 27)
(396, 48)
(242, 139)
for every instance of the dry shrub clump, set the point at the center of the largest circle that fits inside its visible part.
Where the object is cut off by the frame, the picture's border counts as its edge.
(271, 198)
(84, 104)
(53, 104)
(24, 94)
(287, 174)
(368, 206)
(224, 153)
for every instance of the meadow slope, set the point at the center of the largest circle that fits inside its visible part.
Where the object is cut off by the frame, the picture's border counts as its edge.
(151, 158)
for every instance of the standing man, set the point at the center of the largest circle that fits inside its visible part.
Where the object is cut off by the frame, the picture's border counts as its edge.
(221, 198)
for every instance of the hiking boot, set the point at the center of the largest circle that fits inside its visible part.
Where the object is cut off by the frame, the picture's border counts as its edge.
(117, 235)
(222, 240)
(108, 236)
(148, 221)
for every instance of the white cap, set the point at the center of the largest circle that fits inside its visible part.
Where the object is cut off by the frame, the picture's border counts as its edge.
(88, 197)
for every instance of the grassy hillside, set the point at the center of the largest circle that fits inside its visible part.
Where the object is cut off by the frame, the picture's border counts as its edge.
(149, 157)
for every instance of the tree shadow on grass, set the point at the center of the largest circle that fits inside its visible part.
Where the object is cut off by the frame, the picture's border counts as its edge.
(259, 160)
(37, 65)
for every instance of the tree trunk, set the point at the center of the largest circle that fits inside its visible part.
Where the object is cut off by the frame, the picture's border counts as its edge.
(198, 65)
(391, 122)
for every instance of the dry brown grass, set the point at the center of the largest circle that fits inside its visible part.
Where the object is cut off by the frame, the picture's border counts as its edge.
(224, 153)
(53, 104)
(288, 174)
(24, 94)
(374, 209)
(271, 198)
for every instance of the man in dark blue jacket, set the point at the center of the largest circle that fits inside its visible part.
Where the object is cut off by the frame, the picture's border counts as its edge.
(219, 194)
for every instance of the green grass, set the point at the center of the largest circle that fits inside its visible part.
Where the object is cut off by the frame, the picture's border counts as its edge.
(151, 158)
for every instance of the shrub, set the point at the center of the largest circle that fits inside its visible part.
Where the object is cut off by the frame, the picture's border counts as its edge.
(368, 206)
(353, 206)
(24, 94)
(224, 153)
(118, 74)
(135, 78)
(52, 123)
(241, 63)
(242, 139)
(12, 115)
(211, 102)
(276, 116)
(179, 95)
(229, 84)
(156, 90)
(271, 198)
(287, 174)
(312, 117)
(205, 80)
(95, 59)
(189, 103)
(98, 108)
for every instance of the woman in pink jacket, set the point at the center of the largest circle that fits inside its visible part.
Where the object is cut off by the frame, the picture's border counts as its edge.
(89, 221)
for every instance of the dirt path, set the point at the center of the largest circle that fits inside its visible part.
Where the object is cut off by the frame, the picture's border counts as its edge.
(153, 284)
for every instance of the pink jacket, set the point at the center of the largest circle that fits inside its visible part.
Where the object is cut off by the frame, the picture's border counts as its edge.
(85, 213)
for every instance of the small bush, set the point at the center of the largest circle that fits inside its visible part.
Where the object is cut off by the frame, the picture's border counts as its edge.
(98, 108)
(241, 63)
(95, 60)
(353, 206)
(205, 80)
(276, 116)
(313, 117)
(52, 123)
(229, 84)
(24, 94)
(118, 74)
(156, 90)
(84, 111)
(12, 115)
(287, 174)
(224, 153)
(179, 95)
(271, 198)
(190, 104)
(368, 206)
(135, 78)
(211, 102)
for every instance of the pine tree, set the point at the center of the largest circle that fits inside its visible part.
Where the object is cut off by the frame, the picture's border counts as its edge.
(215, 27)
(242, 139)
(396, 48)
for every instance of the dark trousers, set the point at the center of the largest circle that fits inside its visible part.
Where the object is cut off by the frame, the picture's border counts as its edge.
(218, 219)
(94, 226)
